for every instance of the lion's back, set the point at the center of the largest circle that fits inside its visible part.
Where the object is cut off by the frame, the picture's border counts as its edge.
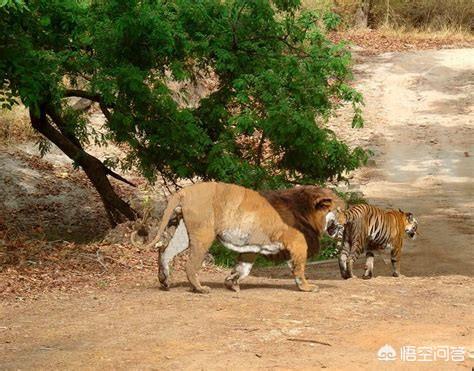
(231, 207)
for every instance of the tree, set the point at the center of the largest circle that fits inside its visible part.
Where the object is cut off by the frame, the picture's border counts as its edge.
(363, 12)
(279, 79)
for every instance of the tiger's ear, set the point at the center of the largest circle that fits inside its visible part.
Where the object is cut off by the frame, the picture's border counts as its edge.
(410, 217)
(322, 203)
(339, 210)
(400, 210)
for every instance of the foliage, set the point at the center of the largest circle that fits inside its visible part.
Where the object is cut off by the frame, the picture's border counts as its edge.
(351, 198)
(279, 79)
(224, 257)
(329, 249)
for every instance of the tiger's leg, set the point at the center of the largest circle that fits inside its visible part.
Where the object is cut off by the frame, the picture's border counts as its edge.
(350, 266)
(369, 266)
(343, 260)
(240, 271)
(298, 252)
(356, 249)
(395, 258)
(200, 242)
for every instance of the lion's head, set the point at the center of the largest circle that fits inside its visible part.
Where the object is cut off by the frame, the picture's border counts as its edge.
(305, 206)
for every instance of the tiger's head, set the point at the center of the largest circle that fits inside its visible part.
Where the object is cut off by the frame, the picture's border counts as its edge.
(411, 225)
(335, 222)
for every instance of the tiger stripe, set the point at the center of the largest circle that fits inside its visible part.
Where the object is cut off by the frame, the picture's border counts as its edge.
(368, 228)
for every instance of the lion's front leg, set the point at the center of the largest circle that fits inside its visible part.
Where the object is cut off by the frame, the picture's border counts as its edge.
(298, 253)
(240, 271)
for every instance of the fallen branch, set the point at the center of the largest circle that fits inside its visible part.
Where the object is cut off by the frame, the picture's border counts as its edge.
(309, 341)
(322, 262)
(95, 257)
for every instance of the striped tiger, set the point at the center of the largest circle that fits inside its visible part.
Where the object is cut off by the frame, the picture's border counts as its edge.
(369, 228)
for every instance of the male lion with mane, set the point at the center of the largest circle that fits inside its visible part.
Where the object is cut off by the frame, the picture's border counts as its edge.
(245, 221)
(298, 209)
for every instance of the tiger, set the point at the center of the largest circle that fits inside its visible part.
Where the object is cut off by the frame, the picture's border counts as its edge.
(369, 228)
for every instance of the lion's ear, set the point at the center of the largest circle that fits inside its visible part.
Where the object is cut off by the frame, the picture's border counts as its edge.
(323, 203)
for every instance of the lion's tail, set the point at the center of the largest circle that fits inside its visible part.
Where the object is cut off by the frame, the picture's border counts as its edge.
(173, 203)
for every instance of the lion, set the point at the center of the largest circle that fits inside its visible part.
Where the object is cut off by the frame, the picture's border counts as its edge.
(296, 207)
(241, 219)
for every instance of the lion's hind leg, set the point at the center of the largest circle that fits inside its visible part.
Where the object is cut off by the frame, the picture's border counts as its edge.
(178, 244)
(200, 242)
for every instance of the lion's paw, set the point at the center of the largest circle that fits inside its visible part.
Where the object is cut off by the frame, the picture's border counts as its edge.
(308, 288)
(202, 290)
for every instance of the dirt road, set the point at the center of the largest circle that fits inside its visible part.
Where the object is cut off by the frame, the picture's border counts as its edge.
(420, 127)
(420, 115)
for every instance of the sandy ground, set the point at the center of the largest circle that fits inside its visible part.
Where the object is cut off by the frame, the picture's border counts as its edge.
(420, 127)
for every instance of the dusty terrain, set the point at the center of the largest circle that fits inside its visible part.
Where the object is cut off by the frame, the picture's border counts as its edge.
(419, 116)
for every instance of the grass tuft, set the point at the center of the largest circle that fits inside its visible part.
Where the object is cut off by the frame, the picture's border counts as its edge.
(15, 126)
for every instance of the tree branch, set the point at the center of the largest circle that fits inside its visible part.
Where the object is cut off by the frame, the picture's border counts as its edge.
(91, 96)
(95, 170)
(82, 94)
(105, 110)
(118, 176)
(260, 149)
(62, 126)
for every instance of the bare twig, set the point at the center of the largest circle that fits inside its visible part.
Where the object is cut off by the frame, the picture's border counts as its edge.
(118, 177)
(95, 257)
(309, 341)
(322, 262)
(260, 149)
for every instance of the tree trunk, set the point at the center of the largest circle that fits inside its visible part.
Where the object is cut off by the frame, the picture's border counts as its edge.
(362, 14)
(117, 209)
